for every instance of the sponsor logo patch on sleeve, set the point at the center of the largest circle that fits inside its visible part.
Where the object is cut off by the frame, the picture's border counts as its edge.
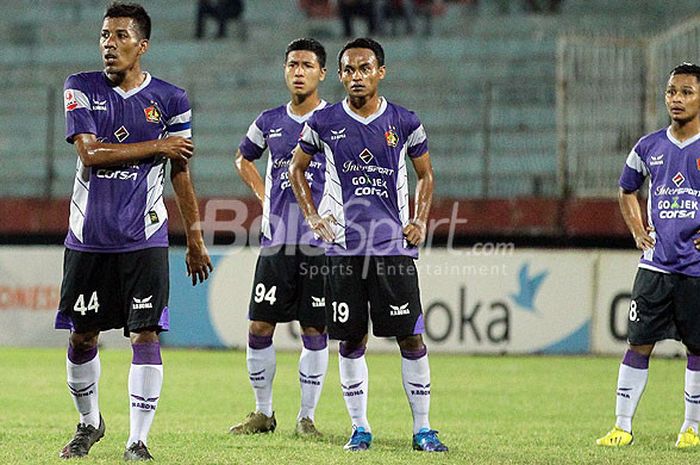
(74, 99)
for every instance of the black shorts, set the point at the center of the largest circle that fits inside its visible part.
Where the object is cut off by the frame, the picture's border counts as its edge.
(664, 306)
(384, 289)
(288, 286)
(102, 291)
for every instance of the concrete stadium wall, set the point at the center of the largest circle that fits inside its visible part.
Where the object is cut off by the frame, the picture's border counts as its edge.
(477, 300)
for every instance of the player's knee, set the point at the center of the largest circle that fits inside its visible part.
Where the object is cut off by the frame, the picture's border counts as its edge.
(644, 349)
(351, 346)
(146, 336)
(261, 328)
(313, 330)
(411, 343)
(82, 342)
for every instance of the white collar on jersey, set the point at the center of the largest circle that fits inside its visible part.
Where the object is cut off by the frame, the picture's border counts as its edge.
(123, 94)
(370, 118)
(678, 143)
(303, 118)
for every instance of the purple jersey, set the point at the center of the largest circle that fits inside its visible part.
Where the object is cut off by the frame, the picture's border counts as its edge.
(278, 130)
(367, 183)
(120, 208)
(673, 168)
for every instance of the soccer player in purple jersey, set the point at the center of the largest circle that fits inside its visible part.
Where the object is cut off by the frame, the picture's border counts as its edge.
(666, 289)
(372, 241)
(288, 284)
(125, 125)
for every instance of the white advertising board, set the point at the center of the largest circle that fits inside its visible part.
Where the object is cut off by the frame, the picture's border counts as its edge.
(615, 276)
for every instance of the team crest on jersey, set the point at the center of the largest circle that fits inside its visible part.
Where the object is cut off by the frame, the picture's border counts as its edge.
(697, 163)
(152, 114)
(392, 139)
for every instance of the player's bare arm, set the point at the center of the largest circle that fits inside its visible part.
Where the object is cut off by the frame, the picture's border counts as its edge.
(250, 175)
(415, 230)
(97, 154)
(321, 226)
(632, 213)
(197, 258)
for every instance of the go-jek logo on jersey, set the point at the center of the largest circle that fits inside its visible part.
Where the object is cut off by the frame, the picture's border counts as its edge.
(677, 209)
(118, 175)
(275, 133)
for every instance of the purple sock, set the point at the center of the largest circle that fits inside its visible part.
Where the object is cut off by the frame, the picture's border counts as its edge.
(693, 362)
(346, 352)
(79, 357)
(318, 342)
(259, 342)
(414, 354)
(146, 354)
(636, 360)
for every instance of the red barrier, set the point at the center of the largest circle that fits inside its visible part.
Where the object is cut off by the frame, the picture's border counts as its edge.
(518, 216)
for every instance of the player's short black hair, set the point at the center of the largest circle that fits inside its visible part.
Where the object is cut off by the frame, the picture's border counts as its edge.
(133, 11)
(312, 45)
(686, 68)
(364, 42)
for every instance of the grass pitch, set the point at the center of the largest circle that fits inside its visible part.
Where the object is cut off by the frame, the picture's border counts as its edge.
(489, 410)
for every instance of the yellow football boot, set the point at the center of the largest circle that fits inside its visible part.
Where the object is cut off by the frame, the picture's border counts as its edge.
(688, 438)
(617, 437)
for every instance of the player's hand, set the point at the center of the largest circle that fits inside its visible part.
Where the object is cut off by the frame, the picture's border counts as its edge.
(644, 241)
(176, 148)
(696, 241)
(323, 226)
(198, 262)
(414, 232)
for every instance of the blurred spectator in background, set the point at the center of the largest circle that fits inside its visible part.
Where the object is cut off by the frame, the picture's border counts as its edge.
(317, 8)
(408, 10)
(222, 11)
(543, 6)
(367, 9)
(530, 6)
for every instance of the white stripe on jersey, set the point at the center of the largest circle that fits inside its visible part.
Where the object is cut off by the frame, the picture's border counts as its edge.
(635, 162)
(416, 137)
(402, 191)
(187, 133)
(154, 199)
(311, 137)
(649, 253)
(265, 224)
(331, 202)
(255, 135)
(402, 188)
(79, 199)
(185, 117)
